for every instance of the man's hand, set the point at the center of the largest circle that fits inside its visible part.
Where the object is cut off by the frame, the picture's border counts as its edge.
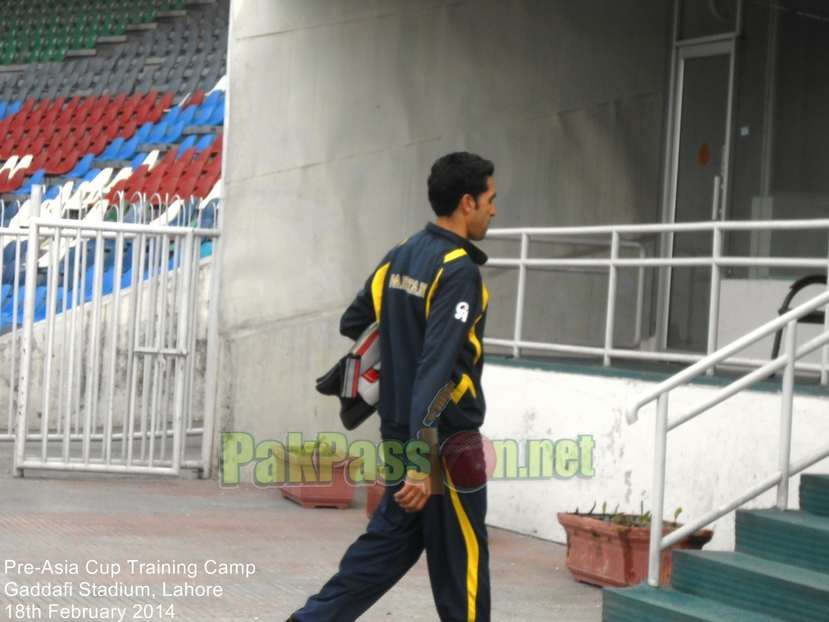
(415, 492)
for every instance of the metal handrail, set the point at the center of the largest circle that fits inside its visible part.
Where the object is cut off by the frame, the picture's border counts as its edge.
(566, 265)
(660, 393)
(715, 261)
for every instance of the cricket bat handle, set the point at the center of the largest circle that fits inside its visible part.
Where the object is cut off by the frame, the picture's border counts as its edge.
(430, 435)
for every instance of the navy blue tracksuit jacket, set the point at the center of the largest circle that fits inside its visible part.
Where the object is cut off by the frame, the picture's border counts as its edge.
(431, 302)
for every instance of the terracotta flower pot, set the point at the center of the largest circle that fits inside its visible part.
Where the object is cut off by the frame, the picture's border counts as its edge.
(338, 493)
(609, 554)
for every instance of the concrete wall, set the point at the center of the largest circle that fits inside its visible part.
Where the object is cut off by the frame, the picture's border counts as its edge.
(337, 111)
(711, 459)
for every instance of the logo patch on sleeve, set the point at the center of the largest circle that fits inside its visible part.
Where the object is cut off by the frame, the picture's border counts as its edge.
(462, 311)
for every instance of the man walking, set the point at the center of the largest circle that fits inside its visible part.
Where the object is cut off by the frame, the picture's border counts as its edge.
(430, 301)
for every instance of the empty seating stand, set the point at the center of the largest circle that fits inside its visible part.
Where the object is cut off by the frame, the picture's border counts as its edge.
(116, 107)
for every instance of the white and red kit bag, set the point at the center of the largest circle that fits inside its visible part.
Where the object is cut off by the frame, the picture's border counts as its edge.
(355, 379)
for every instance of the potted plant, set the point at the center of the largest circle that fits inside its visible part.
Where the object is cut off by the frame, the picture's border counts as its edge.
(310, 494)
(611, 549)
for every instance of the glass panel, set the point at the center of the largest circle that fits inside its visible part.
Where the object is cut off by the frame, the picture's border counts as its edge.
(702, 18)
(782, 130)
(701, 141)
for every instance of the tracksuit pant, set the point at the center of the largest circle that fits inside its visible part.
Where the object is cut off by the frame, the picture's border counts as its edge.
(450, 528)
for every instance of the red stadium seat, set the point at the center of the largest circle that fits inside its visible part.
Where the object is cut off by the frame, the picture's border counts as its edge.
(36, 145)
(99, 145)
(110, 132)
(57, 104)
(118, 102)
(82, 146)
(61, 135)
(167, 100)
(102, 102)
(186, 185)
(196, 98)
(4, 178)
(38, 163)
(69, 162)
(95, 116)
(110, 115)
(128, 130)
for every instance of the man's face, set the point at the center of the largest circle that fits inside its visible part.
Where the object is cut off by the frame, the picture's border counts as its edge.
(477, 221)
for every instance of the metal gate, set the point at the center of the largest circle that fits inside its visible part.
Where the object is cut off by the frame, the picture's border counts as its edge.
(113, 341)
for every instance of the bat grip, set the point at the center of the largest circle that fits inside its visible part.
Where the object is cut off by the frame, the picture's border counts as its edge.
(430, 435)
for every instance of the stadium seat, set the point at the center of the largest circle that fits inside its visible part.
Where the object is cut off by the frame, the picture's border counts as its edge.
(112, 150)
(205, 141)
(37, 179)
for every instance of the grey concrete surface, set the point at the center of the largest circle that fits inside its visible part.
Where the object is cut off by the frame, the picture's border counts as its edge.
(294, 550)
(337, 110)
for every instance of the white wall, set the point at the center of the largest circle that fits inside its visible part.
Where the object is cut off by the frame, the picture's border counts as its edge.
(766, 296)
(711, 459)
(338, 109)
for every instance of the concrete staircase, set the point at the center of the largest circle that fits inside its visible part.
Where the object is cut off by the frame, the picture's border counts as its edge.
(779, 571)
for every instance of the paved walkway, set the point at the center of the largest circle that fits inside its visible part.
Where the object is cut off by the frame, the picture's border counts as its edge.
(110, 521)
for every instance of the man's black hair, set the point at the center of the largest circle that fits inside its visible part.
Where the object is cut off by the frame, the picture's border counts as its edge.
(455, 175)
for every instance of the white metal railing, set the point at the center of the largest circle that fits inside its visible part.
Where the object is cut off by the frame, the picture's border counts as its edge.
(660, 393)
(612, 237)
(115, 371)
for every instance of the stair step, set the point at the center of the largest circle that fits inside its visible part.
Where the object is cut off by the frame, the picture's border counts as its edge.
(644, 603)
(752, 583)
(791, 537)
(814, 493)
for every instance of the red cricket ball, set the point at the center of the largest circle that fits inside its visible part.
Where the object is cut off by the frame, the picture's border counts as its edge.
(469, 461)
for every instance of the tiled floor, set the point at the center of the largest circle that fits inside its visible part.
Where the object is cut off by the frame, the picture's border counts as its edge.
(294, 550)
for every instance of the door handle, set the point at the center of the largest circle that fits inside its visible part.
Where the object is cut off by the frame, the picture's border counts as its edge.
(715, 206)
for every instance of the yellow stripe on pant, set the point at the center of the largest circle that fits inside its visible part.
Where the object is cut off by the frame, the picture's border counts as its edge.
(472, 552)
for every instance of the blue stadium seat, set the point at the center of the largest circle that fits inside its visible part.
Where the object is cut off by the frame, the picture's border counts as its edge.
(174, 134)
(188, 142)
(205, 142)
(7, 315)
(204, 114)
(186, 117)
(83, 166)
(37, 179)
(90, 175)
(42, 308)
(144, 132)
(111, 152)
(157, 135)
(53, 192)
(218, 116)
(213, 99)
(172, 115)
(10, 267)
(129, 149)
(137, 160)
(9, 212)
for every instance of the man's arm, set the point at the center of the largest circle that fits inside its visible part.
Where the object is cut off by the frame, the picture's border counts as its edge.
(366, 306)
(358, 316)
(452, 313)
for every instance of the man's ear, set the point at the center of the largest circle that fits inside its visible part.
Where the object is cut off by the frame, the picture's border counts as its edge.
(468, 203)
